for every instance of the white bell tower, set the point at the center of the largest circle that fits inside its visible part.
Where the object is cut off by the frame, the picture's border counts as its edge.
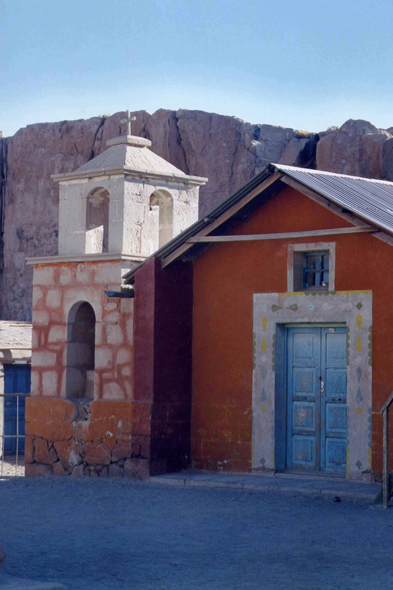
(127, 201)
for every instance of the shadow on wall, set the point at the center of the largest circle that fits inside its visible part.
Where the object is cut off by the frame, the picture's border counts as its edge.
(97, 221)
(161, 213)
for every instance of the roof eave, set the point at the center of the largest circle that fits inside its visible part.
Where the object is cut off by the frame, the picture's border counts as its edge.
(123, 171)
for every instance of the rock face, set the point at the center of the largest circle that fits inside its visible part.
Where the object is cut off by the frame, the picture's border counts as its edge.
(227, 150)
(358, 149)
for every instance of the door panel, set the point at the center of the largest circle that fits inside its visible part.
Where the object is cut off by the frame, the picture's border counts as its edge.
(336, 418)
(303, 451)
(335, 455)
(303, 415)
(336, 384)
(336, 345)
(316, 400)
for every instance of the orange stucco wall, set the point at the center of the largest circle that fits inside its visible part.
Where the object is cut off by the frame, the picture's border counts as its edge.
(225, 278)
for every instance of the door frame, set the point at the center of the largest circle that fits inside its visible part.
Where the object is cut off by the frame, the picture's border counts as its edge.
(272, 313)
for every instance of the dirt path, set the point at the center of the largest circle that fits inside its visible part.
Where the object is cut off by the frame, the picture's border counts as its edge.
(111, 534)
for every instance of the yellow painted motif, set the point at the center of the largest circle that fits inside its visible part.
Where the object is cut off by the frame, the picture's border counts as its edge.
(359, 345)
(359, 321)
(263, 409)
(353, 292)
(358, 410)
(264, 345)
(264, 323)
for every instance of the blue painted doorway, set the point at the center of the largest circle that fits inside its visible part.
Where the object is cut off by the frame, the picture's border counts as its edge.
(317, 399)
(16, 380)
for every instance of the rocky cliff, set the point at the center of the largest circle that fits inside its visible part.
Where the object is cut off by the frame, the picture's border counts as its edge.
(227, 150)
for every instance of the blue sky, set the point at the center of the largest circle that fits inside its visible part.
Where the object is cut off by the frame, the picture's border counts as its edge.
(306, 64)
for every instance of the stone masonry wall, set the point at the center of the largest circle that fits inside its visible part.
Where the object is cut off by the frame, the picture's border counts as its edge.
(99, 439)
(56, 287)
(107, 436)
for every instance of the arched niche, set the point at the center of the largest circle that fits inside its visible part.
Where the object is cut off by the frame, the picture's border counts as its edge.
(80, 351)
(97, 221)
(161, 212)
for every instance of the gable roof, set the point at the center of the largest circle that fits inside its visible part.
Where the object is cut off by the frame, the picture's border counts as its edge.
(370, 199)
(367, 199)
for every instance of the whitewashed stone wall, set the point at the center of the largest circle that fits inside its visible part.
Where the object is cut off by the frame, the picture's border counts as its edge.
(56, 288)
(133, 227)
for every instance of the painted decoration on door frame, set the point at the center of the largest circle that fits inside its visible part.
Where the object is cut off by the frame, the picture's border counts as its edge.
(272, 311)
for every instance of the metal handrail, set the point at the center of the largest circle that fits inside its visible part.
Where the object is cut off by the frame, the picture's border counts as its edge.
(14, 394)
(386, 489)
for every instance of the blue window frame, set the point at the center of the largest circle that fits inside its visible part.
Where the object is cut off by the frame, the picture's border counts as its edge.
(316, 271)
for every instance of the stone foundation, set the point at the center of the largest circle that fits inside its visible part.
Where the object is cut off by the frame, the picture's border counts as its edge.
(98, 438)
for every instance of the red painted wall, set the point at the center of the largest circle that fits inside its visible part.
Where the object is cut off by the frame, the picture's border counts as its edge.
(163, 354)
(225, 278)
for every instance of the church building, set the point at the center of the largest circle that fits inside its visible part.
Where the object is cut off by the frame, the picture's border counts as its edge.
(257, 339)
(83, 417)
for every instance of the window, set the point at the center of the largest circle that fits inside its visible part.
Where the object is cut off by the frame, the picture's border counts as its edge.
(316, 271)
(311, 267)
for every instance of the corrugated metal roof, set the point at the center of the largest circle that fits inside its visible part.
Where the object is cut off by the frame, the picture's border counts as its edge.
(15, 335)
(368, 198)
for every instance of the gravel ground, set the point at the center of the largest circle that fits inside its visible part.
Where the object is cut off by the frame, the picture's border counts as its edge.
(117, 534)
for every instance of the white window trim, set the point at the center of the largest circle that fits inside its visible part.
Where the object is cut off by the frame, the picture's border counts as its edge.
(316, 246)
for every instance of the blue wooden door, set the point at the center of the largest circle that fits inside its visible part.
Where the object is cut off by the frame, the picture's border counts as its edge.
(16, 380)
(316, 400)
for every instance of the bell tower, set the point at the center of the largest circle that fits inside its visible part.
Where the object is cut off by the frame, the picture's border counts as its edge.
(127, 201)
